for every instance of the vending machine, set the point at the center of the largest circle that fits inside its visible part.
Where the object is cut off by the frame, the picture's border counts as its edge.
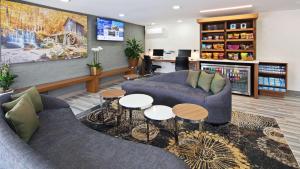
(239, 76)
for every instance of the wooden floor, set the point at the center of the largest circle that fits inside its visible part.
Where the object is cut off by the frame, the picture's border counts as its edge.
(285, 110)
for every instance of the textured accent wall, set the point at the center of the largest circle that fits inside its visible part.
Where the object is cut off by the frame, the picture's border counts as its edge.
(112, 57)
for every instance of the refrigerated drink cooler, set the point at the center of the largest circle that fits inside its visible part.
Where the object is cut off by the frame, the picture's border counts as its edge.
(239, 76)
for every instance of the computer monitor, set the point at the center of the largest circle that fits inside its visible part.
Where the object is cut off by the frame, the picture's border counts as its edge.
(158, 52)
(184, 53)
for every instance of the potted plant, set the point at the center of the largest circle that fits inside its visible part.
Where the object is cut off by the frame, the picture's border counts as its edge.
(6, 78)
(95, 65)
(132, 51)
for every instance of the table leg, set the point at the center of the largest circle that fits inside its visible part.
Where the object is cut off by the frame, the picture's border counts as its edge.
(175, 131)
(118, 114)
(200, 125)
(130, 116)
(147, 121)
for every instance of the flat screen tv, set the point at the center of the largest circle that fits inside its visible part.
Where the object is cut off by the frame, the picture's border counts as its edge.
(110, 30)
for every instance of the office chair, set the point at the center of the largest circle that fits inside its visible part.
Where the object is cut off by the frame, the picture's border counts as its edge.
(149, 68)
(181, 63)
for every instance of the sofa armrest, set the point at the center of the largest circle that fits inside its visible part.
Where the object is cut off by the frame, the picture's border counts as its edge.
(221, 99)
(51, 102)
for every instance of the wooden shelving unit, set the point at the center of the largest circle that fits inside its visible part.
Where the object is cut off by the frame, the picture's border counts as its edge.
(228, 31)
(231, 41)
(273, 79)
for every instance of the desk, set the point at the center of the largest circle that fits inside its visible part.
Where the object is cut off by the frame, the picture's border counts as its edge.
(168, 64)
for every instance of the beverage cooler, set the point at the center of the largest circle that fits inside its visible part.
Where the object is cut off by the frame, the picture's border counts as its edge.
(239, 76)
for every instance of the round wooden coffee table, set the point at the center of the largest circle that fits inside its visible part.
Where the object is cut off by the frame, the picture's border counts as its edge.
(189, 112)
(131, 76)
(111, 95)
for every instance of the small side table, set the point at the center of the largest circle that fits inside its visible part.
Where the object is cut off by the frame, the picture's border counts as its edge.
(135, 102)
(189, 112)
(110, 95)
(131, 77)
(157, 113)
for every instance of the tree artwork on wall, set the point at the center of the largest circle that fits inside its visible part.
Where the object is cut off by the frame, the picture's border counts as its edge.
(31, 33)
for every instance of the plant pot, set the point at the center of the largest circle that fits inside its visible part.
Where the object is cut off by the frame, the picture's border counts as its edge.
(133, 62)
(95, 71)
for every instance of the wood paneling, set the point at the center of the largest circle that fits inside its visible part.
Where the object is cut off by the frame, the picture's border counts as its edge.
(225, 18)
(92, 82)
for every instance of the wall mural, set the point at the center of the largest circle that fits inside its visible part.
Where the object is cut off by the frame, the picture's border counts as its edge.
(30, 33)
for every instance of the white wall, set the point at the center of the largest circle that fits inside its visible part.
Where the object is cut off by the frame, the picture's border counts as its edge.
(278, 39)
(185, 35)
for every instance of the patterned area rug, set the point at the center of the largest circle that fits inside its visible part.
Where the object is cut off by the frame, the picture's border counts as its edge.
(249, 141)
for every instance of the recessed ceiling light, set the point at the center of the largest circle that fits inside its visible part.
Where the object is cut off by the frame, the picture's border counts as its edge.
(121, 15)
(179, 21)
(153, 23)
(176, 7)
(228, 8)
(66, 0)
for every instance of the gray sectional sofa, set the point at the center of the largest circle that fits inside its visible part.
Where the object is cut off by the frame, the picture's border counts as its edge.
(171, 89)
(64, 142)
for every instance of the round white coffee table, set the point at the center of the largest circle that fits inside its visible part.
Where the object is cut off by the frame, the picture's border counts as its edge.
(135, 102)
(157, 113)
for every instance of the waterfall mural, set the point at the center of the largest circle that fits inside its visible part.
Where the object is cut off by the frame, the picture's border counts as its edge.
(30, 33)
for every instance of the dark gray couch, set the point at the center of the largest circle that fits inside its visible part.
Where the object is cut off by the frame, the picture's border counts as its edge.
(171, 89)
(64, 142)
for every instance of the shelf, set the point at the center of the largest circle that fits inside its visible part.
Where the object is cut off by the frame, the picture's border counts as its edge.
(213, 31)
(239, 30)
(212, 50)
(227, 50)
(240, 40)
(212, 41)
(230, 61)
(271, 93)
(281, 87)
(272, 74)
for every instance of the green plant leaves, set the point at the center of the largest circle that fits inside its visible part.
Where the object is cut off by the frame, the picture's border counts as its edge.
(133, 48)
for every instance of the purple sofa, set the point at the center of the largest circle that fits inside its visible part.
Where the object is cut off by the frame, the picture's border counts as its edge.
(171, 89)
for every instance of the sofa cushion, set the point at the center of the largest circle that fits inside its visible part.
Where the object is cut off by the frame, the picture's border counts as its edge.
(10, 105)
(23, 118)
(217, 83)
(70, 144)
(205, 80)
(35, 98)
(192, 78)
(3, 99)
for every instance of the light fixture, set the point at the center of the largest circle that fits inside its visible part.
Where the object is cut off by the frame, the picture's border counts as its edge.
(66, 0)
(228, 8)
(153, 23)
(121, 15)
(179, 21)
(176, 7)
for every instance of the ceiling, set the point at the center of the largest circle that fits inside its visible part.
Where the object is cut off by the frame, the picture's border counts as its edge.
(144, 12)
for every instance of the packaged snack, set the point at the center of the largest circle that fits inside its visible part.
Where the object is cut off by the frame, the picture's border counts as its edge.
(244, 35)
(236, 36)
(244, 56)
(216, 56)
(221, 56)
